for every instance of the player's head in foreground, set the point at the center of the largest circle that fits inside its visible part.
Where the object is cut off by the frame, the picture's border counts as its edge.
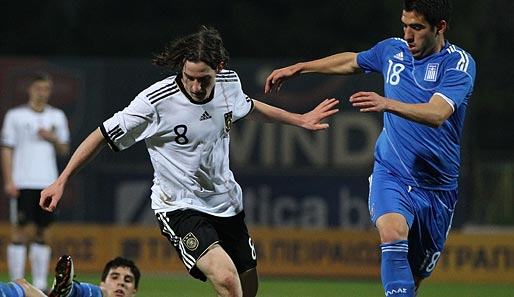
(120, 275)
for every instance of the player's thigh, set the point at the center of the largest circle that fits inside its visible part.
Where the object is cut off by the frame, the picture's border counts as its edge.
(429, 231)
(387, 195)
(191, 234)
(216, 260)
(236, 241)
(30, 211)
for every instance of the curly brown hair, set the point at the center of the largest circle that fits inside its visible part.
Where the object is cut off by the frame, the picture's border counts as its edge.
(205, 46)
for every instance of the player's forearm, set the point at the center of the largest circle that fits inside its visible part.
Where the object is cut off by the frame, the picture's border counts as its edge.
(272, 114)
(7, 164)
(428, 114)
(342, 64)
(86, 151)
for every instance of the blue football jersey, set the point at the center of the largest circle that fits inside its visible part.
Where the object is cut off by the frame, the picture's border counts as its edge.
(420, 155)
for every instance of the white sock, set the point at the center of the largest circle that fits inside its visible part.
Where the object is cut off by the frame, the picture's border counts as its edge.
(16, 258)
(39, 261)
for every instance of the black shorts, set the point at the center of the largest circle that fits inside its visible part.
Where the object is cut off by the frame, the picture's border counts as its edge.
(30, 211)
(192, 232)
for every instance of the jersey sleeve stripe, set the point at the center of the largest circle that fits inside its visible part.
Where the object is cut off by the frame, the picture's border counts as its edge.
(109, 140)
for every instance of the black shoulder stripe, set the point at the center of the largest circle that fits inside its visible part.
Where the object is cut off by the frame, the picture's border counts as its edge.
(162, 93)
(227, 76)
(160, 89)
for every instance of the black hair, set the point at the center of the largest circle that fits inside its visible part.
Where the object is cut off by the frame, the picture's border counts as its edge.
(434, 11)
(122, 262)
(41, 76)
(205, 46)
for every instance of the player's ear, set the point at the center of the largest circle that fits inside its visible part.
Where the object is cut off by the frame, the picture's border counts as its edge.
(442, 26)
(220, 67)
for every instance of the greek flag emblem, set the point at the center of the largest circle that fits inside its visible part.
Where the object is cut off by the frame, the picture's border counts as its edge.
(431, 74)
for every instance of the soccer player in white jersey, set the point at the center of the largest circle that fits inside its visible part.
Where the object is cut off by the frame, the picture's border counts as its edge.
(185, 121)
(32, 135)
(413, 189)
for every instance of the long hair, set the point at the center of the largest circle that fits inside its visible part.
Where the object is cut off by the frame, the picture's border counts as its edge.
(122, 262)
(205, 46)
(434, 11)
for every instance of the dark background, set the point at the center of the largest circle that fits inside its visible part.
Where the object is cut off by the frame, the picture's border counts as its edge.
(283, 31)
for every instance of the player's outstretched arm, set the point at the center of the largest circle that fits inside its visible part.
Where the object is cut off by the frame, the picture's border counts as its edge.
(341, 64)
(310, 120)
(86, 151)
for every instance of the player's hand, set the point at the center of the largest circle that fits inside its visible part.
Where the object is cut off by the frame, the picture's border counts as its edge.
(369, 102)
(50, 197)
(276, 79)
(312, 119)
(48, 135)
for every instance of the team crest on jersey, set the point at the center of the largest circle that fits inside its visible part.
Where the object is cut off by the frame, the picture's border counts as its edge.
(190, 241)
(431, 73)
(228, 121)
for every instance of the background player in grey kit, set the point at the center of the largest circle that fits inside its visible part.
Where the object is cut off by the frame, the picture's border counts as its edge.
(413, 189)
(185, 121)
(32, 135)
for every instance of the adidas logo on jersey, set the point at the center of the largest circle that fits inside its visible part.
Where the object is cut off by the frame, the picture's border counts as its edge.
(205, 116)
(399, 56)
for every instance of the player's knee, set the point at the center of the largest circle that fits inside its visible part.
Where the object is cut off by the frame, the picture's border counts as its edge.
(392, 228)
(228, 280)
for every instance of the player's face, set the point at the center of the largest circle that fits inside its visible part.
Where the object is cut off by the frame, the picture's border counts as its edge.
(198, 80)
(120, 282)
(39, 91)
(422, 38)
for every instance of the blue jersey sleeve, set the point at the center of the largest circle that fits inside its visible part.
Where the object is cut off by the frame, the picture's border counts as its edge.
(372, 60)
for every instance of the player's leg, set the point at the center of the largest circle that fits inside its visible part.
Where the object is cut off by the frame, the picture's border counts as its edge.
(197, 244)
(429, 230)
(17, 253)
(29, 289)
(20, 230)
(249, 282)
(220, 271)
(388, 205)
(39, 250)
(236, 241)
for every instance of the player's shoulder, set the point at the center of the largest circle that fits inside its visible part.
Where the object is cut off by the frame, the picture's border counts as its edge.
(227, 76)
(395, 42)
(160, 90)
(18, 110)
(458, 58)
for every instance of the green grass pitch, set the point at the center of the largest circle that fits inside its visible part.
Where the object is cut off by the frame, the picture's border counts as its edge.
(184, 286)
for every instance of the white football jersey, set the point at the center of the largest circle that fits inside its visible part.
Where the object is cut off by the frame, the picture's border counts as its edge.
(188, 143)
(34, 158)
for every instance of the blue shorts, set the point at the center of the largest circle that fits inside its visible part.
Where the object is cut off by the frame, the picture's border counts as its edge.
(428, 213)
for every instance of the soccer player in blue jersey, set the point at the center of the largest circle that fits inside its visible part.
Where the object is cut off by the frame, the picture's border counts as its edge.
(413, 188)
(185, 122)
(120, 277)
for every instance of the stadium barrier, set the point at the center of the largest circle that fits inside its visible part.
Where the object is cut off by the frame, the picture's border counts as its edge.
(476, 257)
